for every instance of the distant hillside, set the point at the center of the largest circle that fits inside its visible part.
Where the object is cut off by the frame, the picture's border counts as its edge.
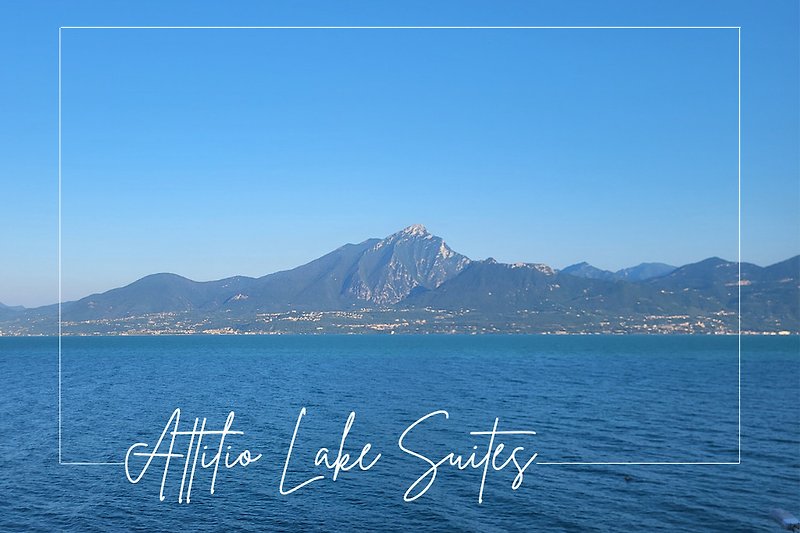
(641, 272)
(412, 281)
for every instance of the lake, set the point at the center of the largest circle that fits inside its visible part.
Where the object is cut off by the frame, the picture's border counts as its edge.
(590, 399)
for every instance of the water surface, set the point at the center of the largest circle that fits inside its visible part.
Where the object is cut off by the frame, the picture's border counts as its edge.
(590, 399)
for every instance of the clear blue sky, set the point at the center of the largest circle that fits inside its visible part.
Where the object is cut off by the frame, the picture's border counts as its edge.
(211, 153)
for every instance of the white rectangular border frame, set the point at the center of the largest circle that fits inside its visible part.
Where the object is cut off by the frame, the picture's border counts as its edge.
(739, 198)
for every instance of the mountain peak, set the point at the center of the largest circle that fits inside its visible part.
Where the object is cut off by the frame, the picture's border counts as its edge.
(415, 229)
(411, 259)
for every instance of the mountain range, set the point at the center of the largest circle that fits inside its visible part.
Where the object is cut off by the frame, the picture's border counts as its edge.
(412, 281)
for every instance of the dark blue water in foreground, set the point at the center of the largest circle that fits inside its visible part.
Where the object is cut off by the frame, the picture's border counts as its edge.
(590, 399)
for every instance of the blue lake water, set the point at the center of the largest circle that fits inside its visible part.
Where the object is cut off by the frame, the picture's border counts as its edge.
(589, 399)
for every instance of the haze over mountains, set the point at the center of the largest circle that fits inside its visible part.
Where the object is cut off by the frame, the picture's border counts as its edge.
(641, 272)
(411, 281)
